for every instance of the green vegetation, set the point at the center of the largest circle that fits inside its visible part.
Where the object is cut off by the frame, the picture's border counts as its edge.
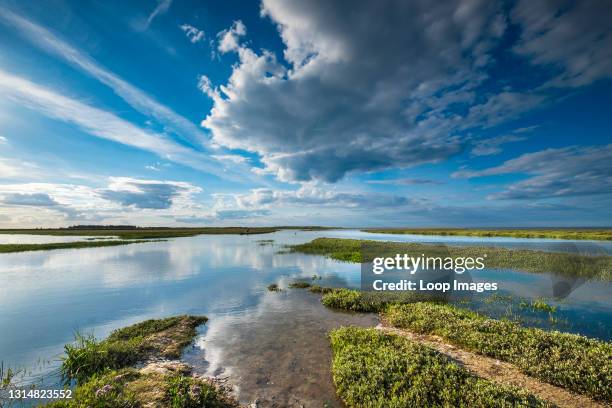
(538, 305)
(567, 360)
(131, 388)
(125, 347)
(273, 287)
(372, 369)
(141, 233)
(568, 264)
(105, 379)
(569, 233)
(299, 285)
(6, 248)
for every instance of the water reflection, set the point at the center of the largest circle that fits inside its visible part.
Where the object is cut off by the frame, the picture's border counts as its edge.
(272, 345)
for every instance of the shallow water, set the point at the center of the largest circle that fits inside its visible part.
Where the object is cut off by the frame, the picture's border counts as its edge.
(272, 346)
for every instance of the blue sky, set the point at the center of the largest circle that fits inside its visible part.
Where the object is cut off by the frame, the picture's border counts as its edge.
(381, 113)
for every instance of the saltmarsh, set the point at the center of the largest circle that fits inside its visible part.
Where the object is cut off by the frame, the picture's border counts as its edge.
(563, 233)
(372, 369)
(571, 361)
(567, 264)
(105, 376)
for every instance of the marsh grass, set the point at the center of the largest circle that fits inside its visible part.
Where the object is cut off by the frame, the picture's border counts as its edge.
(131, 388)
(273, 287)
(589, 234)
(125, 347)
(565, 264)
(6, 248)
(372, 369)
(567, 360)
(151, 232)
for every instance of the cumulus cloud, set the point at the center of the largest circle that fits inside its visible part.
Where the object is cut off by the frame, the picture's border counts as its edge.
(40, 200)
(37, 200)
(573, 36)
(366, 90)
(147, 194)
(312, 196)
(3, 140)
(229, 39)
(392, 84)
(194, 34)
(569, 171)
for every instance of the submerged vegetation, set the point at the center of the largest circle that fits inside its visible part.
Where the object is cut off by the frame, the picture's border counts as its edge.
(568, 264)
(563, 233)
(7, 248)
(372, 369)
(106, 377)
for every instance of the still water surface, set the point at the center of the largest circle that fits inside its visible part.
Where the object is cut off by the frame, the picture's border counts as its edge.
(271, 346)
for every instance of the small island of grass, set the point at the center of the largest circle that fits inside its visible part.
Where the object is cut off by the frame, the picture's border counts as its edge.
(106, 375)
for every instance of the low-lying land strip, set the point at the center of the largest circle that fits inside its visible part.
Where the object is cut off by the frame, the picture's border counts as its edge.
(106, 377)
(142, 233)
(564, 233)
(373, 369)
(6, 248)
(576, 363)
(496, 371)
(568, 264)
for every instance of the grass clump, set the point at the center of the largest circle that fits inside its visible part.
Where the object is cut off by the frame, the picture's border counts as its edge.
(131, 388)
(538, 305)
(299, 285)
(565, 233)
(566, 264)
(87, 356)
(273, 287)
(372, 369)
(567, 360)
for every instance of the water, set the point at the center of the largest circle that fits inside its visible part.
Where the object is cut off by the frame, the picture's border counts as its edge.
(271, 346)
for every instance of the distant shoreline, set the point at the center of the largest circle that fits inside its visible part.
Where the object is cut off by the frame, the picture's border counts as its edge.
(596, 234)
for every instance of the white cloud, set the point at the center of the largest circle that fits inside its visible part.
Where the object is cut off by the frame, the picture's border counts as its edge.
(573, 37)
(98, 122)
(229, 39)
(194, 34)
(356, 96)
(13, 168)
(150, 194)
(3, 140)
(491, 146)
(569, 171)
(313, 196)
(162, 7)
(138, 99)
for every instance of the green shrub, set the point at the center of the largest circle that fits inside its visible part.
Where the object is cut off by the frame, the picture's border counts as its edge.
(372, 369)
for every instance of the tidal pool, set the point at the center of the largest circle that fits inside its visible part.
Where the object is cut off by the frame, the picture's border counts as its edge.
(270, 346)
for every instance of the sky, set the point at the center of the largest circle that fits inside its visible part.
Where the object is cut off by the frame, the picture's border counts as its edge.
(400, 113)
